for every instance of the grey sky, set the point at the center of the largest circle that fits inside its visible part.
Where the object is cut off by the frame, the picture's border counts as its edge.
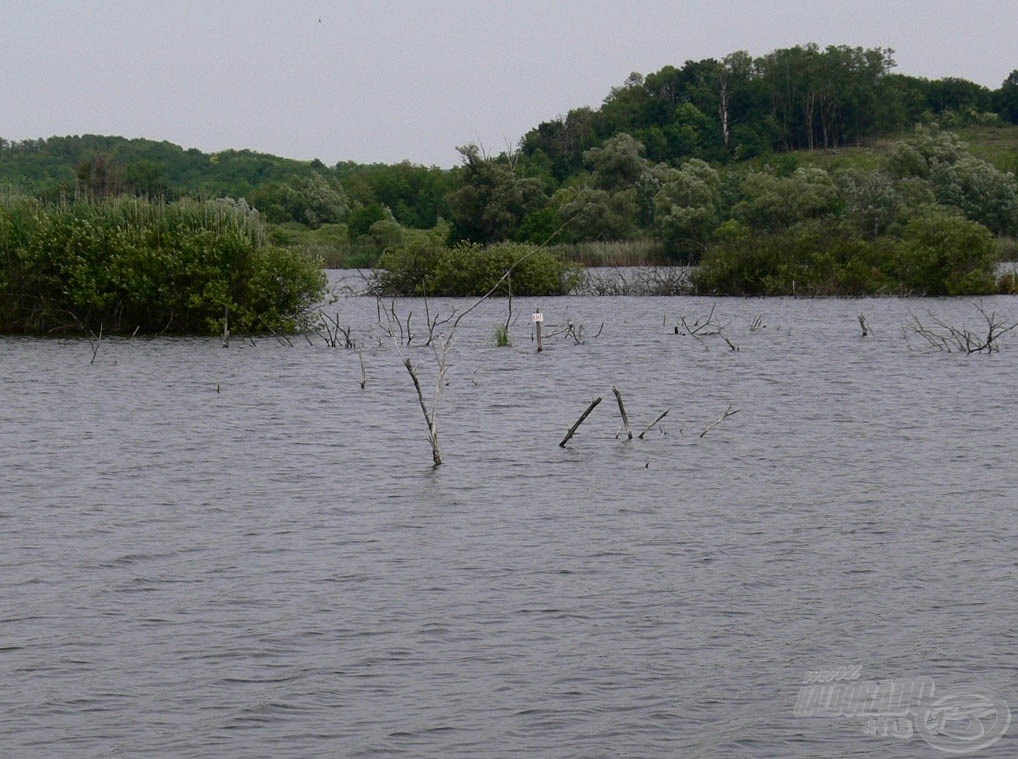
(387, 80)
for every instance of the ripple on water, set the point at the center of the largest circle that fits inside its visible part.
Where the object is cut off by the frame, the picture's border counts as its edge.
(241, 552)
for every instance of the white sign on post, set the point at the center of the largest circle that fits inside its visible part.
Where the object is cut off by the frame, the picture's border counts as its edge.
(538, 317)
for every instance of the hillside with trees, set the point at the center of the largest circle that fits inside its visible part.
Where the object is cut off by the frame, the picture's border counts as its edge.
(804, 147)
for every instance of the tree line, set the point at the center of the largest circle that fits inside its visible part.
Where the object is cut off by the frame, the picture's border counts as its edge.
(691, 159)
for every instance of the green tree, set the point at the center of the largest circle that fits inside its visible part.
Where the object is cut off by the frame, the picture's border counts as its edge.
(943, 253)
(928, 148)
(146, 178)
(595, 214)
(492, 200)
(774, 202)
(312, 200)
(872, 201)
(617, 163)
(686, 208)
(363, 217)
(1006, 98)
(980, 191)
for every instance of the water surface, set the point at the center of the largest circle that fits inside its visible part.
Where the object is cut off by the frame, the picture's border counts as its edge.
(213, 551)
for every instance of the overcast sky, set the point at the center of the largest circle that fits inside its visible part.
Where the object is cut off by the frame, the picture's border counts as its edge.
(388, 80)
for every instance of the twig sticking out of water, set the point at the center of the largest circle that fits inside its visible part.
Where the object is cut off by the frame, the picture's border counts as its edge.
(862, 323)
(948, 338)
(443, 343)
(281, 338)
(653, 424)
(576, 425)
(96, 344)
(707, 327)
(571, 330)
(434, 322)
(329, 329)
(728, 412)
(431, 418)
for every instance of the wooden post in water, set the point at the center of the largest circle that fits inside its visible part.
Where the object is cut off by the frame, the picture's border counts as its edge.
(538, 320)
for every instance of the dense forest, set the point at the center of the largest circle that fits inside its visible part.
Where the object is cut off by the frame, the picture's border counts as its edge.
(716, 156)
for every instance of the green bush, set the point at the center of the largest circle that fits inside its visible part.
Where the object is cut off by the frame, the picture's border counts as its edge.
(408, 269)
(945, 254)
(136, 265)
(937, 254)
(426, 267)
(812, 258)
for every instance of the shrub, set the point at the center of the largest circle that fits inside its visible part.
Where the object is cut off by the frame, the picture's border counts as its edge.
(407, 270)
(938, 254)
(945, 254)
(137, 265)
(468, 269)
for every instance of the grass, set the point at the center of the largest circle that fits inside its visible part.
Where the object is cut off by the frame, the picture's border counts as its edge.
(997, 145)
(501, 337)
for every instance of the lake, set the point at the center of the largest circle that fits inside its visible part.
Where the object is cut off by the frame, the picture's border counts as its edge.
(239, 551)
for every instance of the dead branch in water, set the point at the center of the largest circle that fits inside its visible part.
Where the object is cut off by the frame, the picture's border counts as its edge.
(576, 425)
(433, 322)
(570, 330)
(654, 423)
(707, 326)
(430, 416)
(96, 344)
(329, 329)
(393, 324)
(948, 338)
(728, 412)
(863, 325)
(441, 356)
(622, 411)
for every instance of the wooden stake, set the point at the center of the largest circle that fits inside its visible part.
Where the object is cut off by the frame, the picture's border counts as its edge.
(622, 411)
(538, 320)
(584, 415)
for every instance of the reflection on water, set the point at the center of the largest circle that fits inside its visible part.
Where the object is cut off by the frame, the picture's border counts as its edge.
(214, 551)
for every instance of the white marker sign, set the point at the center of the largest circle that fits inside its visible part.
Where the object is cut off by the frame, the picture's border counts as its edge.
(538, 317)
